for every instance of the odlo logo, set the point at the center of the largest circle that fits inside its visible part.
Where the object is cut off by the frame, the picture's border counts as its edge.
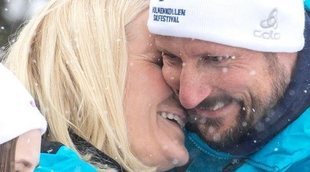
(268, 27)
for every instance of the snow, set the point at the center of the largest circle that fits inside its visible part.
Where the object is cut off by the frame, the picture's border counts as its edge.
(20, 9)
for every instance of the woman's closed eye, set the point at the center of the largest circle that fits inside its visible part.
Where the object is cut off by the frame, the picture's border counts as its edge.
(159, 61)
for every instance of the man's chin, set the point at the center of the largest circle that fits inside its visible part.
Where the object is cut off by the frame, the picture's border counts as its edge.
(216, 141)
(219, 138)
(208, 134)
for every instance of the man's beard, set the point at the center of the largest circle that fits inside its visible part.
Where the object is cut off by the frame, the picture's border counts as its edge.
(249, 114)
(209, 128)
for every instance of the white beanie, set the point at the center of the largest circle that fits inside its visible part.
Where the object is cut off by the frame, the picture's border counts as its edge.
(260, 25)
(18, 113)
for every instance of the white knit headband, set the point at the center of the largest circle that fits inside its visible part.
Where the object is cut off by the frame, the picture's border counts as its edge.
(261, 25)
(18, 113)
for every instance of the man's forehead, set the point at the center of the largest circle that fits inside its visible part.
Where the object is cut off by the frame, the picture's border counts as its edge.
(197, 46)
(177, 41)
(167, 38)
(163, 37)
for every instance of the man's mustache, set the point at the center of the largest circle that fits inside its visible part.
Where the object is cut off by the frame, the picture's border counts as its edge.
(211, 101)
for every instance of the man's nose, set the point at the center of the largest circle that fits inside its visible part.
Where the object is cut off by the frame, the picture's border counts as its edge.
(193, 88)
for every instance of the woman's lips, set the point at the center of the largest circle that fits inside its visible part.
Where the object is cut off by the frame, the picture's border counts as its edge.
(172, 111)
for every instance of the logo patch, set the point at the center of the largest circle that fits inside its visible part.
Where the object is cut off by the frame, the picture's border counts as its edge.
(269, 27)
(169, 15)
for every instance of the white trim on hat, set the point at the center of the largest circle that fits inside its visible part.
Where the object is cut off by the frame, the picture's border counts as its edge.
(261, 25)
(18, 113)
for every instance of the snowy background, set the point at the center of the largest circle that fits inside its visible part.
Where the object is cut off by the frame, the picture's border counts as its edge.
(12, 14)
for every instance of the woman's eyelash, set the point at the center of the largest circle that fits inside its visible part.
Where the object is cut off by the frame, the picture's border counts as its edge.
(168, 55)
(158, 61)
(162, 53)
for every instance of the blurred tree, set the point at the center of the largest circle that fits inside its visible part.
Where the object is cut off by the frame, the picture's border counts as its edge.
(3, 25)
(13, 13)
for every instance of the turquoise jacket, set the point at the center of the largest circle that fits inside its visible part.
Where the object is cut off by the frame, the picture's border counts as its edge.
(56, 157)
(307, 4)
(288, 151)
(64, 160)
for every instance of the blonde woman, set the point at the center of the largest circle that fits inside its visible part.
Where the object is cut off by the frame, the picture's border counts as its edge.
(95, 74)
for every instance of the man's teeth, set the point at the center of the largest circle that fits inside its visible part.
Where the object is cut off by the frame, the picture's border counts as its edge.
(218, 106)
(172, 116)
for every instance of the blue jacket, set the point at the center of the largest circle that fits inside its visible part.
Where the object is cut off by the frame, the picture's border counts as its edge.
(64, 160)
(288, 151)
(55, 157)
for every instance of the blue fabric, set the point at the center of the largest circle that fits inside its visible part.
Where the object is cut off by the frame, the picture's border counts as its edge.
(289, 150)
(65, 160)
(300, 166)
(307, 4)
(286, 150)
(202, 157)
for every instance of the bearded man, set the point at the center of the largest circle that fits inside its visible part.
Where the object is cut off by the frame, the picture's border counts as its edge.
(241, 69)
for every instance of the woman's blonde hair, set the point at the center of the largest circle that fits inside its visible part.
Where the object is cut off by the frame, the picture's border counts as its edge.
(72, 57)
